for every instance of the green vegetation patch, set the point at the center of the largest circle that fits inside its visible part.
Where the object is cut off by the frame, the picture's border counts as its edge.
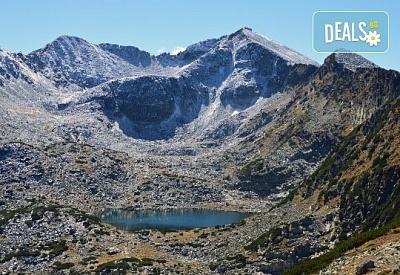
(56, 248)
(122, 266)
(315, 264)
(9, 214)
(270, 235)
(21, 253)
(257, 165)
(239, 258)
(59, 266)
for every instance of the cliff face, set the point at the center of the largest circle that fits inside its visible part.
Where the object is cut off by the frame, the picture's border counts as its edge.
(362, 174)
(322, 112)
(351, 198)
(130, 54)
(153, 97)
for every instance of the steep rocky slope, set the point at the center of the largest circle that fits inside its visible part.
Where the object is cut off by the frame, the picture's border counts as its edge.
(353, 197)
(289, 142)
(359, 182)
(231, 75)
(362, 174)
(197, 91)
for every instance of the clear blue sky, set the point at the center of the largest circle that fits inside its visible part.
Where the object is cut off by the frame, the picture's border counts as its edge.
(153, 25)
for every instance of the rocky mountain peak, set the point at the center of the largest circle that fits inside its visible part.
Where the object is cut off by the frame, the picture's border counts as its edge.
(246, 36)
(68, 40)
(11, 68)
(350, 61)
(73, 63)
(241, 33)
(68, 48)
(130, 54)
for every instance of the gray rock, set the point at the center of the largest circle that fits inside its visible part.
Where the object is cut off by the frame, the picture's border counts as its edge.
(363, 269)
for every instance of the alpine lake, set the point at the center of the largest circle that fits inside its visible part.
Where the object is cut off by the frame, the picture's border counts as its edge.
(170, 219)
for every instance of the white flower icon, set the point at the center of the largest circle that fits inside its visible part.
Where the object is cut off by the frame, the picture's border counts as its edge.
(373, 38)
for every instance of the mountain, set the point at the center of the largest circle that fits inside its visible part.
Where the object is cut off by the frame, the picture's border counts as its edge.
(235, 123)
(353, 61)
(74, 63)
(129, 54)
(350, 197)
(351, 115)
(321, 113)
(207, 82)
(356, 189)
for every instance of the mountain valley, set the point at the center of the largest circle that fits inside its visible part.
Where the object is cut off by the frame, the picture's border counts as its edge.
(238, 123)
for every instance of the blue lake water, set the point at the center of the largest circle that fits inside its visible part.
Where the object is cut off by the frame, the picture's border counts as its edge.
(171, 219)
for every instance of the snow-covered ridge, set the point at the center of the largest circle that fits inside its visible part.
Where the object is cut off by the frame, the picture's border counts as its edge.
(191, 94)
(245, 36)
(202, 46)
(281, 50)
(73, 63)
